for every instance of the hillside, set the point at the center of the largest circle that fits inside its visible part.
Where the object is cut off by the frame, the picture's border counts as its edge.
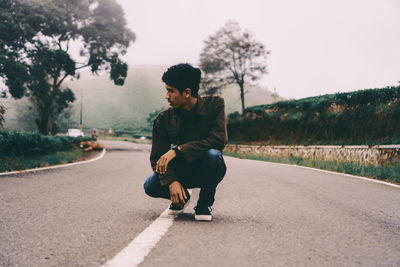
(106, 105)
(361, 117)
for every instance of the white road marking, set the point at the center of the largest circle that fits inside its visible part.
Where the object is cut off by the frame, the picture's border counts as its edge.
(56, 166)
(332, 172)
(134, 254)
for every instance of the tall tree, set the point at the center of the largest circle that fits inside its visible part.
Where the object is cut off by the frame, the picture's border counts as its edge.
(2, 111)
(232, 56)
(35, 49)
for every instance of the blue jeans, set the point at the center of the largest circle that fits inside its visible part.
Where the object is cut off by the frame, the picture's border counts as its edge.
(206, 174)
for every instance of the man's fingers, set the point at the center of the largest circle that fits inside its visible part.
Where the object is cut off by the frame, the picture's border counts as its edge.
(173, 199)
(177, 199)
(184, 193)
(157, 166)
(160, 166)
(181, 198)
(165, 166)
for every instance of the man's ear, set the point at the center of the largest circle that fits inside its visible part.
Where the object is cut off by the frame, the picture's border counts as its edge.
(188, 92)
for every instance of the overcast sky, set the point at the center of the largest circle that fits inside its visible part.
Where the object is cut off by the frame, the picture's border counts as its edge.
(317, 46)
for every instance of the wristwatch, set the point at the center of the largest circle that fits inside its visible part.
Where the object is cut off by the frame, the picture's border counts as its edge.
(176, 148)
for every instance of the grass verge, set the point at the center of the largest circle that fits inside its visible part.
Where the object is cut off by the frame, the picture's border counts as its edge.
(23, 162)
(388, 173)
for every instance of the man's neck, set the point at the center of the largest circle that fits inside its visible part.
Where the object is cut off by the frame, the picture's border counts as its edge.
(191, 104)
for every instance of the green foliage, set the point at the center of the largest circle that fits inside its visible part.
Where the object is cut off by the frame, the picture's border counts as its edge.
(106, 105)
(25, 162)
(133, 133)
(234, 116)
(232, 56)
(13, 143)
(37, 59)
(390, 172)
(152, 116)
(361, 117)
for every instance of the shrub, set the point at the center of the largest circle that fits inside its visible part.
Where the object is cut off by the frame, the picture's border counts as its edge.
(362, 117)
(14, 143)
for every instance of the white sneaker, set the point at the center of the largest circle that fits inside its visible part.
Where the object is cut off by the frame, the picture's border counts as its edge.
(203, 214)
(175, 209)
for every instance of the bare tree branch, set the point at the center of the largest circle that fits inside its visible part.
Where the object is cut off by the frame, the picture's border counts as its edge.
(232, 55)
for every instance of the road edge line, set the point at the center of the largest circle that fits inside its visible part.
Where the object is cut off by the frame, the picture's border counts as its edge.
(56, 166)
(332, 172)
(137, 250)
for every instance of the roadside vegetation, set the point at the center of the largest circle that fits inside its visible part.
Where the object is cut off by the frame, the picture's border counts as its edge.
(366, 117)
(232, 56)
(35, 54)
(25, 162)
(389, 173)
(19, 150)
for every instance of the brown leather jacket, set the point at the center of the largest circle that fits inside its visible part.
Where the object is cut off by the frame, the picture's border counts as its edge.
(195, 132)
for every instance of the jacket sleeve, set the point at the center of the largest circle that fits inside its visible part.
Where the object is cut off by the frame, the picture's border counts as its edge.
(160, 146)
(216, 139)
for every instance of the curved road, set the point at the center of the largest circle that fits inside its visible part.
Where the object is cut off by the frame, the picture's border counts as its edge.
(265, 215)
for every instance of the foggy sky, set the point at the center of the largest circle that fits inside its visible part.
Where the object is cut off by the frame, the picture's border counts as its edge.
(317, 46)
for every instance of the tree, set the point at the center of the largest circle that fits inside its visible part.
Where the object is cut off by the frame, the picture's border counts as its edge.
(152, 116)
(36, 55)
(2, 111)
(232, 56)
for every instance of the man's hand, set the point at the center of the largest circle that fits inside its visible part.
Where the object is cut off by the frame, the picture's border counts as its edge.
(177, 193)
(162, 163)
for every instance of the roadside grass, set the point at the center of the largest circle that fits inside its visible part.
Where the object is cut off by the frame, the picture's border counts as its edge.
(388, 173)
(25, 162)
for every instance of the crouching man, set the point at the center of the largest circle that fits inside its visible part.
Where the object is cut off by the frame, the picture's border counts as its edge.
(188, 139)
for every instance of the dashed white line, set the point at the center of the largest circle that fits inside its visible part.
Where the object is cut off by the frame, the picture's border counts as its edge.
(134, 254)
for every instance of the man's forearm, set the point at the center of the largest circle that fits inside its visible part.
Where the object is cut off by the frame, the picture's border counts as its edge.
(162, 167)
(195, 149)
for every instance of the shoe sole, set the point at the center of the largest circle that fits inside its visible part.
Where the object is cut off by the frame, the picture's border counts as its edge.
(177, 212)
(206, 218)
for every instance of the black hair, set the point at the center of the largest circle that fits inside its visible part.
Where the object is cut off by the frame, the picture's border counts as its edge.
(183, 76)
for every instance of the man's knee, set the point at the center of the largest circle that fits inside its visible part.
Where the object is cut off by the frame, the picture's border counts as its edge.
(150, 186)
(148, 189)
(213, 160)
(213, 155)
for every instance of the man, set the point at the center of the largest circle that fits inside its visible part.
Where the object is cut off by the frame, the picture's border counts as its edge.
(187, 142)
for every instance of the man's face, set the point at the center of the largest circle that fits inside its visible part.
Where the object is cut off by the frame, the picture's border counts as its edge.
(174, 97)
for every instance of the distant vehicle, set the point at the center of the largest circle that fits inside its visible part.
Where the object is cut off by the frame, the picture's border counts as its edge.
(75, 133)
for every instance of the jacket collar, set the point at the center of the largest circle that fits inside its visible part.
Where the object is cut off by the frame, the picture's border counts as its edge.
(200, 108)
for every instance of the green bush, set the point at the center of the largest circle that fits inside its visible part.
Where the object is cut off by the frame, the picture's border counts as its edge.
(14, 143)
(362, 117)
(133, 133)
(25, 162)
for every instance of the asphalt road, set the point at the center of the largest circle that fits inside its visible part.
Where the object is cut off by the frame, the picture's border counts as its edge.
(265, 215)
